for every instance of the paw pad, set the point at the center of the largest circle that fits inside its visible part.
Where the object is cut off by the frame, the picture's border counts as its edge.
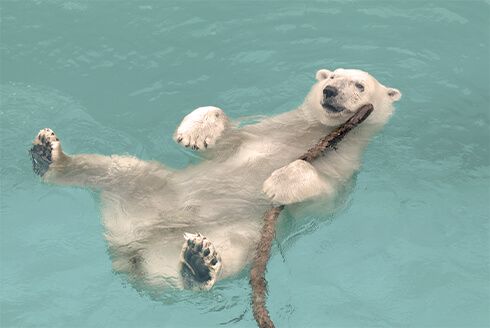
(200, 262)
(43, 151)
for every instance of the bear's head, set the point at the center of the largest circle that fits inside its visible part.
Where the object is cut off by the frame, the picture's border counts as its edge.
(338, 94)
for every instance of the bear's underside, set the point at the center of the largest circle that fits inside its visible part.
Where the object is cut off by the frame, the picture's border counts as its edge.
(148, 209)
(220, 198)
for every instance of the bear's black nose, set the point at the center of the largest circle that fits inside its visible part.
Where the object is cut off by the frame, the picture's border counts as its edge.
(330, 91)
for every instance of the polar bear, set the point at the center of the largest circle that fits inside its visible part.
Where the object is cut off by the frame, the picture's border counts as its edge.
(217, 205)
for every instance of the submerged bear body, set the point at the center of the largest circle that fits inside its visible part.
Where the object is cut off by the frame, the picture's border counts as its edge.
(191, 227)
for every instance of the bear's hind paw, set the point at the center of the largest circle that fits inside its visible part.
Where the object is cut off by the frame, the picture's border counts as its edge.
(46, 149)
(200, 263)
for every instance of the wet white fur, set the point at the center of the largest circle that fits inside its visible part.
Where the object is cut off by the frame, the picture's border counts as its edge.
(147, 207)
(202, 127)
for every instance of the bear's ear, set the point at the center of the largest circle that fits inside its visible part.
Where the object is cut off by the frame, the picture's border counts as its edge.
(394, 94)
(323, 74)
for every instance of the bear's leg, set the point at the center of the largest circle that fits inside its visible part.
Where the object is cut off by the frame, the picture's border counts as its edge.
(202, 128)
(200, 265)
(87, 170)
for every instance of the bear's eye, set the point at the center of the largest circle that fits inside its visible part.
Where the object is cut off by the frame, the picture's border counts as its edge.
(360, 86)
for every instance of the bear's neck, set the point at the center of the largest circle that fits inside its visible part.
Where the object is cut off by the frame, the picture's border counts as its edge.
(298, 132)
(356, 140)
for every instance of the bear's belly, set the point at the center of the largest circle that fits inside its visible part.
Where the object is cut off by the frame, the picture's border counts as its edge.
(134, 216)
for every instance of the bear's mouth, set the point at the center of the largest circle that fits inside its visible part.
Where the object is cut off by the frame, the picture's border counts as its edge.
(333, 108)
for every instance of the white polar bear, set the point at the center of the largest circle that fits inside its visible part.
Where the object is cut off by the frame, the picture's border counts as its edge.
(218, 204)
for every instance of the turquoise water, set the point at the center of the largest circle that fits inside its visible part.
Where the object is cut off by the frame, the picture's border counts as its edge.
(410, 250)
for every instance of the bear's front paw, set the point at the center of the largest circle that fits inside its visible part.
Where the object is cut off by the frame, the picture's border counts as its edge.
(294, 183)
(45, 150)
(201, 128)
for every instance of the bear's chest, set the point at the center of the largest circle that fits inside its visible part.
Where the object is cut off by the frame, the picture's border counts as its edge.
(254, 151)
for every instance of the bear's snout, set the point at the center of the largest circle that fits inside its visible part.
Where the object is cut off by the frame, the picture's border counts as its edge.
(331, 99)
(330, 91)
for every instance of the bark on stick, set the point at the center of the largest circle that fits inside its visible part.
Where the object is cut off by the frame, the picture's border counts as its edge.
(262, 253)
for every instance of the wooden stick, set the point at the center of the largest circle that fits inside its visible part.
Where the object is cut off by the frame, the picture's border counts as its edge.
(262, 253)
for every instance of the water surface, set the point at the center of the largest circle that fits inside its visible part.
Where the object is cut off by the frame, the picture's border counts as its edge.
(411, 248)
